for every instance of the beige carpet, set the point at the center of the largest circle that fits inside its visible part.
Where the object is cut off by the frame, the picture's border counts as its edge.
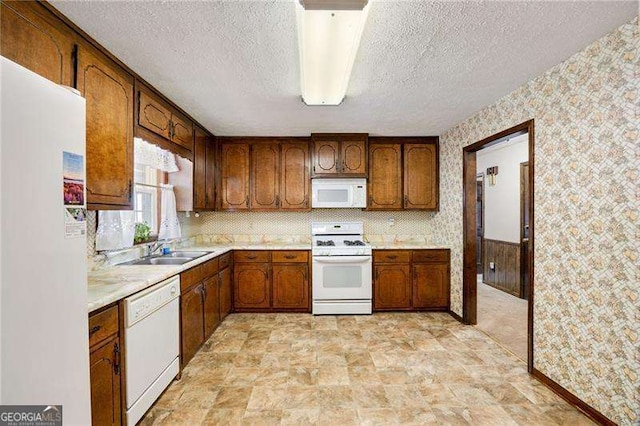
(504, 318)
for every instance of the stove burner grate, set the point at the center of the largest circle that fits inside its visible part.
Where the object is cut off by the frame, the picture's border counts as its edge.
(353, 243)
(326, 243)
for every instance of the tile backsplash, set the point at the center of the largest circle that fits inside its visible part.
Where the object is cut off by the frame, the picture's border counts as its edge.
(299, 223)
(405, 223)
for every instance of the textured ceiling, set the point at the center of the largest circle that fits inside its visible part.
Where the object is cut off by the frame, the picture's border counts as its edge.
(422, 67)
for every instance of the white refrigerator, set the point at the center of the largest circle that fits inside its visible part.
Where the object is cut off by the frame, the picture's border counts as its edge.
(44, 354)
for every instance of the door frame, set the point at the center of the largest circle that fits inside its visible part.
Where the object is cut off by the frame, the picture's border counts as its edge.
(470, 284)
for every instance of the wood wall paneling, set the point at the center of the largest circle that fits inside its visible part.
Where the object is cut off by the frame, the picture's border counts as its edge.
(506, 258)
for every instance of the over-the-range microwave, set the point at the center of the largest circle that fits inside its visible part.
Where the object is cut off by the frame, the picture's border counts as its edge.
(338, 193)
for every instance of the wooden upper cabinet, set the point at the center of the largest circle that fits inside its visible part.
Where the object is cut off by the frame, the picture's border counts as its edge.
(385, 177)
(354, 157)
(181, 131)
(153, 114)
(265, 174)
(339, 154)
(108, 90)
(421, 176)
(160, 123)
(234, 191)
(326, 156)
(294, 176)
(204, 170)
(37, 40)
(199, 169)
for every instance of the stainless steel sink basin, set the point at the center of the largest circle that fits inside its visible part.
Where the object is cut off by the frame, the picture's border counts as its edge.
(191, 254)
(161, 261)
(173, 258)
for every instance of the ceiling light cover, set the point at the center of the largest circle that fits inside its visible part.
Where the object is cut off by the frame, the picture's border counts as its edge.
(328, 43)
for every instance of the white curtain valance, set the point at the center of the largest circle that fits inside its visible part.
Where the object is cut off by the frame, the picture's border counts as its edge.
(154, 156)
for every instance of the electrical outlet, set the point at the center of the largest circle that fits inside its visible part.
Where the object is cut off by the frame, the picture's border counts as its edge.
(492, 266)
(391, 221)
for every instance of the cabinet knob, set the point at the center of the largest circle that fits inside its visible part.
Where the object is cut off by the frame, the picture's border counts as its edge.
(392, 257)
(94, 330)
(252, 257)
(290, 256)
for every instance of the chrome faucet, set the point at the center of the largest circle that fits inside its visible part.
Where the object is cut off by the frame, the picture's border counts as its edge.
(154, 246)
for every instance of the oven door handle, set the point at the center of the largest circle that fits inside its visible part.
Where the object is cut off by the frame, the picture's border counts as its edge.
(342, 259)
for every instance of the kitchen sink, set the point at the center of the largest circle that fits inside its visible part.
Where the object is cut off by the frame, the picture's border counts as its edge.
(162, 260)
(173, 258)
(191, 254)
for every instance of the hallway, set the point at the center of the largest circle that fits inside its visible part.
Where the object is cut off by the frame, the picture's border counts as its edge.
(504, 318)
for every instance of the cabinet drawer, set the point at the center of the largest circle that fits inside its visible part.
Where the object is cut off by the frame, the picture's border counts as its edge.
(224, 260)
(393, 256)
(430, 256)
(292, 256)
(191, 277)
(209, 268)
(103, 325)
(251, 256)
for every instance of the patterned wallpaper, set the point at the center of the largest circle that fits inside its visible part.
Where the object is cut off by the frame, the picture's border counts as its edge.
(587, 226)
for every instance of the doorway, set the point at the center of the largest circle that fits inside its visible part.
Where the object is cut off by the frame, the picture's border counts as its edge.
(479, 220)
(471, 216)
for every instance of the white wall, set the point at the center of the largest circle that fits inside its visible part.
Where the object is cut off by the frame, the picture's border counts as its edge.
(502, 201)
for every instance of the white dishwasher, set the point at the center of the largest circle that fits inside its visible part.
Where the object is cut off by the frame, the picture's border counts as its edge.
(152, 345)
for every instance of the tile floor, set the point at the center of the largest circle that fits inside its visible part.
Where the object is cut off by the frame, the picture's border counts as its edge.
(503, 317)
(396, 368)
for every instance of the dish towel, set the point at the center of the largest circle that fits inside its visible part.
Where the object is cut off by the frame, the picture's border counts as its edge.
(169, 224)
(116, 230)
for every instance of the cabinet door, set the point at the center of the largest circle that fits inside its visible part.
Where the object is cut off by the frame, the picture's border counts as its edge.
(108, 91)
(294, 176)
(431, 285)
(421, 176)
(291, 286)
(385, 177)
(326, 155)
(226, 301)
(251, 286)
(153, 114)
(104, 371)
(265, 173)
(182, 131)
(235, 176)
(210, 174)
(192, 327)
(200, 170)
(35, 39)
(354, 157)
(392, 287)
(211, 305)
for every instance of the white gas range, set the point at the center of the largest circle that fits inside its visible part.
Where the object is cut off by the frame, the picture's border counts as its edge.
(341, 269)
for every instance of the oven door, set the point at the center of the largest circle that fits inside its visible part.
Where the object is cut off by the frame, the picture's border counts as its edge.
(342, 278)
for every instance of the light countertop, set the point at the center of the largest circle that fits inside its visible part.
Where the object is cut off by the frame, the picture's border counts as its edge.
(112, 283)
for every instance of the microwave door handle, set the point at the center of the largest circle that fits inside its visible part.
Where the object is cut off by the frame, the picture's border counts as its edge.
(342, 259)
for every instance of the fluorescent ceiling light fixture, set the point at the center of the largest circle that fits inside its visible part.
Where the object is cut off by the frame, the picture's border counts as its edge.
(329, 33)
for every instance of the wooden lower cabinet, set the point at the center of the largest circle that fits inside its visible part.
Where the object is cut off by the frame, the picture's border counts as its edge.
(251, 286)
(105, 367)
(290, 286)
(271, 281)
(211, 305)
(392, 287)
(192, 322)
(411, 280)
(105, 383)
(431, 285)
(226, 296)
